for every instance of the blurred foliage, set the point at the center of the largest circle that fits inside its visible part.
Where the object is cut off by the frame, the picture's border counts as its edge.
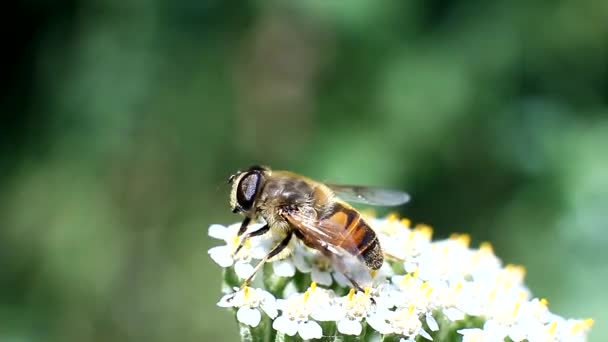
(122, 120)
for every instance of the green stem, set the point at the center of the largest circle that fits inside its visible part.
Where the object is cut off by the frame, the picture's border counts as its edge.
(230, 280)
(273, 283)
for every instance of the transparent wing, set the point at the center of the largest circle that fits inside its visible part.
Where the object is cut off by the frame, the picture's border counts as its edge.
(327, 236)
(370, 195)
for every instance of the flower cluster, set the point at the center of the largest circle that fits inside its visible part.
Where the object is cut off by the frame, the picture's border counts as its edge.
(425, 290)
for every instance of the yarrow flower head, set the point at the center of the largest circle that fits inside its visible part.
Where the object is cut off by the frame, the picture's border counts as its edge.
(249, 302)
(426, 290)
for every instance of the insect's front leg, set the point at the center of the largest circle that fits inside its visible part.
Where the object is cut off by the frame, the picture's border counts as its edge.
(258, 232)
(276, 250)
(244, 226)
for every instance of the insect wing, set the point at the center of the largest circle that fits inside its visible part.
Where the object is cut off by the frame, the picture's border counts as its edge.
(326, 235)
(370, 195)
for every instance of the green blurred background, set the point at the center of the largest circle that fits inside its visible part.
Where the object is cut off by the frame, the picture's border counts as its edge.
(123, 119)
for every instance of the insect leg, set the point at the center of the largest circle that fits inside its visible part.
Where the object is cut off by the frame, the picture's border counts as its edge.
(276, 250)
(258, 232)
(342, 269)
(244, 225)
(392, 257)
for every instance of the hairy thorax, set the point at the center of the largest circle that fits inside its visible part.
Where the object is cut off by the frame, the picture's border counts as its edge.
(282, 193)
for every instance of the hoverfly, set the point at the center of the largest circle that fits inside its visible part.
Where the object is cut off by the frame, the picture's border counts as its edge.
(314, 212)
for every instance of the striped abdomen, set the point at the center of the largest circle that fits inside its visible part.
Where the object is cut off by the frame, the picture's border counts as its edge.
(357, 237)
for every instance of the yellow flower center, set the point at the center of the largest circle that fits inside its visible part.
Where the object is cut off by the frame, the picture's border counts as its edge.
(406, 222)
(246, 292)
(486, 247)
(544, 302)
(464, 239)
(578, 327)
(351, 294)
(424, 230)
(552, 328)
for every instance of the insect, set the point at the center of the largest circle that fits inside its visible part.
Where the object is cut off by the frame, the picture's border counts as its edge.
(313, 212)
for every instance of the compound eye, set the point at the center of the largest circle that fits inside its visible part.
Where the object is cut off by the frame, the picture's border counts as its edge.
(248, 189)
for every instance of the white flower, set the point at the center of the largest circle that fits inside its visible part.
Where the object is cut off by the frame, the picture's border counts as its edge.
(318, 265)
(249, 301)
(446, 277)
(284, 268)
(403, 321)
(223, 255)
(354, 308)
(489, 333)
(300, 312)
(573, 330)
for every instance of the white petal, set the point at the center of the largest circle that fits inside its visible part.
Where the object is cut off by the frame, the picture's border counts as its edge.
(379, 324)
(431, 322)
(341, 279)
(410, 266)
(493, 328)
(284, 268)
(474, 335)
(270, 308)
(285, 325)
(517, 334)
(226, 301)
(425, 334)
(221, 256)
(243, 269)
(453, 314)
(249, 316)
(300, 262)
(327, 313)
(349, 327)
(309, 330)
(469, 331)
(217, 231)
(281, 304)
(320, 277)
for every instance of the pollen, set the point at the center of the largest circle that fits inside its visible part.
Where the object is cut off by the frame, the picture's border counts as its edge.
(406, 222)
(368, 290)
(235, 241)
(553, 327)
(424, 229)
(486, 247)
(523, 295)
(313, 286)
(493, 295)
(351, 295)
(464, 239)
(578, 327)
(518, 270)
(306, 295)
(246, 292)
(373, 273)
(458, 286)
(429, 292)
(411, 309)
(544, 302)
(393, 217)
(516, 309)
(406, 279)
